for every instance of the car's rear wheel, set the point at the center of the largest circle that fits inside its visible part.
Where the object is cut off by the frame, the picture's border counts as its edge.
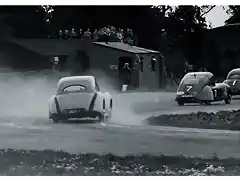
(109, 116)
(180, 103)
(228, 100)
(207, 102)
(55, 120)
(102, 118)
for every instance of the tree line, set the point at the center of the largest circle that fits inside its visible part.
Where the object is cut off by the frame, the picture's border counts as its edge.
(157, 27)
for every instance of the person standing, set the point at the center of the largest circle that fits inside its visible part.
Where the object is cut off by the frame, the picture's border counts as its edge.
(87, 34)
(126, 73)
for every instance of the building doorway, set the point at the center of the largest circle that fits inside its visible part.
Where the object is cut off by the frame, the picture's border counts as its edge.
(81, 63)
(127, 75)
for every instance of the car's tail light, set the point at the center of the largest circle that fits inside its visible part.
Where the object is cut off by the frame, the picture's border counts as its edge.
(111, 104)
(104, 106)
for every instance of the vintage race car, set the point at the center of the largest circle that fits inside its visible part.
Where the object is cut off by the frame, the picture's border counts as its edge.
(79, 97)
(233, 80)
(199, 87)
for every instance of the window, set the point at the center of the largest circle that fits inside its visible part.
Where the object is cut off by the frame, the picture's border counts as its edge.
(235, 77)
(191, 81)
(74, 88)
(153, 63)
(141, 64)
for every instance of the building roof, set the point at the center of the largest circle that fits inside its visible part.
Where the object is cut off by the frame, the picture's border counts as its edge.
(127, 48)
(227, 26)
(50, 46)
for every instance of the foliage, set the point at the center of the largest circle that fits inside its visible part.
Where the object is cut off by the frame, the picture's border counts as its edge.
(157, 27)
(234, 12)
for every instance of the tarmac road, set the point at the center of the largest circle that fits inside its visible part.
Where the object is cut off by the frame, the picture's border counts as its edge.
(126, 133)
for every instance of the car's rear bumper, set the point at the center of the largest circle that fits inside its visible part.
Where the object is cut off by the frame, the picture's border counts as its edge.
(82, 114)
(191, 99)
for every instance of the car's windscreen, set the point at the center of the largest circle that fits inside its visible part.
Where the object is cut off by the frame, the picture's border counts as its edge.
(191, 81)
(235, 77)
(74, 89)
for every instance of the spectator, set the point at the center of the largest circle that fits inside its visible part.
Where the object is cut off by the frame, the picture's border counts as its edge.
(73, 34)
(60, 34)
(80, 34)
(87, 34)
(126, 73)
(66, 35)
(106, 34)
(95, 35)
(119, 36)
(113, 34)
(129, 36)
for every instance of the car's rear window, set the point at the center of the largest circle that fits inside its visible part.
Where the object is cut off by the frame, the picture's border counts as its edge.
(235, 76)
(74, 88)
(191, 81)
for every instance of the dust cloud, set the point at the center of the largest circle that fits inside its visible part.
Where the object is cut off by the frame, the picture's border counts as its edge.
(123, 103)
(27, 95)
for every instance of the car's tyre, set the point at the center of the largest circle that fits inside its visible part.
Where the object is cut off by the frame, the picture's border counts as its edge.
(229, 98)
(207, 102)
(180, 103)
(109, 116)
(102, 118)
(227, 101)
(55, 120)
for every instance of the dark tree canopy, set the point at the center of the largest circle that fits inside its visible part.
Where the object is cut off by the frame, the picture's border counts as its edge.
(181, 26)
(234, 12)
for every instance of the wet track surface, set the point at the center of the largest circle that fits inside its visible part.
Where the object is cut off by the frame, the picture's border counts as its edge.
(126, 133)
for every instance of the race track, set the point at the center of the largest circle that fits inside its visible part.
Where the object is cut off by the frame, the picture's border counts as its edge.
(124, 134)
(24, 123)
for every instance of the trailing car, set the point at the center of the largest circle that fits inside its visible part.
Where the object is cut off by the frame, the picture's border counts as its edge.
(199, 87)
(233, 80)
(79, 97)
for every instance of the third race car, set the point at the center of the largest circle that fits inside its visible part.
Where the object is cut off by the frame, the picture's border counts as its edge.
(233, 80)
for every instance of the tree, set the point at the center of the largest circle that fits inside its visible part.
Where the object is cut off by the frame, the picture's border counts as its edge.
(234, 12)
(183, 25)
(25, 20)
(186, 26)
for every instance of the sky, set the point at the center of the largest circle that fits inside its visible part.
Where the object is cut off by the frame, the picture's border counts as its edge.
(217, 16)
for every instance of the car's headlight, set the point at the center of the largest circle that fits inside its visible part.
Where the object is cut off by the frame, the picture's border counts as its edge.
(180, 93)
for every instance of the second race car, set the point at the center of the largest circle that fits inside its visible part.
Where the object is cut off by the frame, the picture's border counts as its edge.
(199, 87)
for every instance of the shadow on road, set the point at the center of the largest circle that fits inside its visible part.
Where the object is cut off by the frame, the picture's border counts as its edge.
(80, 122)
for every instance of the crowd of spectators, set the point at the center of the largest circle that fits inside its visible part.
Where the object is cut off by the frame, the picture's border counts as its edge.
(107, 34)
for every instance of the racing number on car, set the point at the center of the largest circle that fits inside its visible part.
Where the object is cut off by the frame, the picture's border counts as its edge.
(234, 82)
(189, 87)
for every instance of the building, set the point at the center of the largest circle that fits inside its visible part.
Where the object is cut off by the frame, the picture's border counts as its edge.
(80, 55)
(111, 56)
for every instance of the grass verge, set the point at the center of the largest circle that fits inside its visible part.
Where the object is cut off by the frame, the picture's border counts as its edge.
(48, 162)
(223, 120)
